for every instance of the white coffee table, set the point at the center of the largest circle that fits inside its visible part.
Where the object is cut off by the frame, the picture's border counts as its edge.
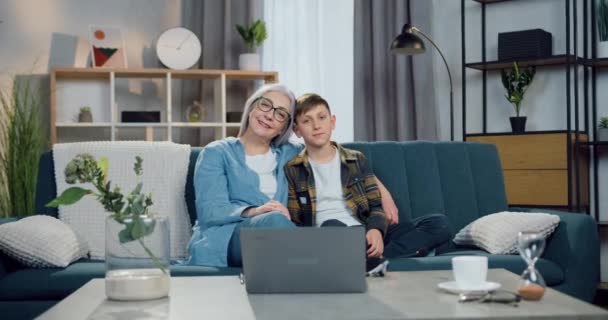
(399, 295)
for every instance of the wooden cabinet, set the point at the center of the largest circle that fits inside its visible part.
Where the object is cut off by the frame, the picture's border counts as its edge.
(536, 168)
(106, 123)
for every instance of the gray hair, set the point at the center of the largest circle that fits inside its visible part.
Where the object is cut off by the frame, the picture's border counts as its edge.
(284, 136)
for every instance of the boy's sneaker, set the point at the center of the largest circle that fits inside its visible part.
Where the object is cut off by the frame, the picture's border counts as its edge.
(376, 267)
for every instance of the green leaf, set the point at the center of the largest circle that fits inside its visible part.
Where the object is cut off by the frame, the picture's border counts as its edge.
(140, 229)
(137, 189)
(68, 197)
(124, 235)
(137, 166)
(103, 164)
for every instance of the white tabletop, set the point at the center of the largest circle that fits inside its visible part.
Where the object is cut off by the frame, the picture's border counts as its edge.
(399, 295)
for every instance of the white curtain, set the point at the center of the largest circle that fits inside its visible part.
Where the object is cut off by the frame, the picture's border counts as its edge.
(310, 44)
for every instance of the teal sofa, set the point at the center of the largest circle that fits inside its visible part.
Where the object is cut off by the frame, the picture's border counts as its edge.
(460, 179)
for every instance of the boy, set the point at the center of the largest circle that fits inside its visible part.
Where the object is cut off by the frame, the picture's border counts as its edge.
(330, 185)
(333, 186)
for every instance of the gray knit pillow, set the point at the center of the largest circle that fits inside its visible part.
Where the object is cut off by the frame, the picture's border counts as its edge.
(42, 241)
(497, 232)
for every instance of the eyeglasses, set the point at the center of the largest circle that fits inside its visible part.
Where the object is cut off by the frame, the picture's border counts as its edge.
(498, 296)
(265, 104)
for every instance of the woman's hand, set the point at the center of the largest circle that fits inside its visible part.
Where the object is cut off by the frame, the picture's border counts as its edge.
(375, 242)
(269, 206)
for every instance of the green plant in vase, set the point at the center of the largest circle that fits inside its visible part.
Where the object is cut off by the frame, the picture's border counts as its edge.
(130, 228)
(516, 82)
(129, 211)
(253, 35)
(85, 114)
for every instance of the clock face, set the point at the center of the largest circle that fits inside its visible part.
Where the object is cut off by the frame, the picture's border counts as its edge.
(178, 48)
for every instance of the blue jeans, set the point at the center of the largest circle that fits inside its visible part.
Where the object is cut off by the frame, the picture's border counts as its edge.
(422, 234)
(265, 220)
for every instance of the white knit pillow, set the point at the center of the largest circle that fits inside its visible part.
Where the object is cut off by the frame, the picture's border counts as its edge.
(42, 241)
(497, 232)
(165, 170)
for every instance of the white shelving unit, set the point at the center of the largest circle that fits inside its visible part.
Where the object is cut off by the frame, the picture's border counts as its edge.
(110, 76)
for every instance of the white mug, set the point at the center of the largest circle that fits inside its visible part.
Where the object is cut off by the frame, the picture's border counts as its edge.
(470, 272)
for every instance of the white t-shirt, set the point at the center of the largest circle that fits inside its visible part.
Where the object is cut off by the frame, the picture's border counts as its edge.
(330, 200)
(265, 165)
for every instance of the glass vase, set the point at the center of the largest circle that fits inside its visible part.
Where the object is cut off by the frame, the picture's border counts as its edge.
(195, 112)
(531, 246)
(137, 267)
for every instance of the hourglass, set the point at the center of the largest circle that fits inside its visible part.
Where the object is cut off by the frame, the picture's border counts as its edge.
(531, 246)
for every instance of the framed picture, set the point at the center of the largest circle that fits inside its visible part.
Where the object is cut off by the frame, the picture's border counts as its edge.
(107, 47)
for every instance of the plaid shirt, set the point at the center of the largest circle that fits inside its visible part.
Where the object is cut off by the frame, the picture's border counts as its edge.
(359, 187)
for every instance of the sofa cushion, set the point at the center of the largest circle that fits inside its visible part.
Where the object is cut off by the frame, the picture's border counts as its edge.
(42, 241)
(57, 283)
(497, 233)
(550, 271)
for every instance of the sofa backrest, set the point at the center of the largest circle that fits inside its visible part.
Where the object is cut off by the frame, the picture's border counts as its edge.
(460, 179)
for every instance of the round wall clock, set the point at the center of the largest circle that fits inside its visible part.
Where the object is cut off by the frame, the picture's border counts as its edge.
(178, 48)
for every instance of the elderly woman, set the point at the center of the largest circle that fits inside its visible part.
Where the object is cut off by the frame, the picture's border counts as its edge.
(240, 182)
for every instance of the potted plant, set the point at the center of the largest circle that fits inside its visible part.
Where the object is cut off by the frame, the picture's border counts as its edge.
(21, 142)
(602, 132)
(85, 114)
(253, 35)
(137, 241)
(516, 82)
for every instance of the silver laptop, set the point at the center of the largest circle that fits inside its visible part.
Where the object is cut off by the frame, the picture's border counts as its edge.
(304, 260)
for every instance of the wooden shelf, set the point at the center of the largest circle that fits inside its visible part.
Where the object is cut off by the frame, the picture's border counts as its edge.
(141, 125)
(83, 124)
(109, 75)
(151, 73)
(557, 60)
(599, 62)
(525, 133)
(594, 143)
(197, 124)
(491, 1)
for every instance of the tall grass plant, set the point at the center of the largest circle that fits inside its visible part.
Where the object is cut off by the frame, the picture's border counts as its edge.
(21, 137)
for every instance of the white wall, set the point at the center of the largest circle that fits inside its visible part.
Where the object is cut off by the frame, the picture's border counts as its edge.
(544, 103)
(28, 26)
(37, 35)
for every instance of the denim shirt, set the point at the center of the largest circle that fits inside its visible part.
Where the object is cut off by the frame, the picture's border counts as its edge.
(224, 186)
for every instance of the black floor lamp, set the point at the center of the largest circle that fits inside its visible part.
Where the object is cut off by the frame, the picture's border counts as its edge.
(409, 43)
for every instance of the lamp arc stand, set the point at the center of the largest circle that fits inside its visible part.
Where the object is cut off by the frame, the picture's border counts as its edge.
(449, 76)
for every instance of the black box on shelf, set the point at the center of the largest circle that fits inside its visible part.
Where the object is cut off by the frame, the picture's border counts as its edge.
(525, 44)
(140, 116)
(234, 116)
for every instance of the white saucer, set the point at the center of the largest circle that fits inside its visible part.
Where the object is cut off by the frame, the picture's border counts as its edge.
(452, 287)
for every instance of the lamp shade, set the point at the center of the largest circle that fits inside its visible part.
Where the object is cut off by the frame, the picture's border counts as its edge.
(407, 42)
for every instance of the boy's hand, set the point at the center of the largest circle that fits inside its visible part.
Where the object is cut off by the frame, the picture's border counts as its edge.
(269, 206)
(375, 242)
(388, 204)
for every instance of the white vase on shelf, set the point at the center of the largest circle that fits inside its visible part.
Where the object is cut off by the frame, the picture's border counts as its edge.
(249, 61)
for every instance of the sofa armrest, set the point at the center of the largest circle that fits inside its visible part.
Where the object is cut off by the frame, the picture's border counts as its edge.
(574, 246)
(3, 257)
